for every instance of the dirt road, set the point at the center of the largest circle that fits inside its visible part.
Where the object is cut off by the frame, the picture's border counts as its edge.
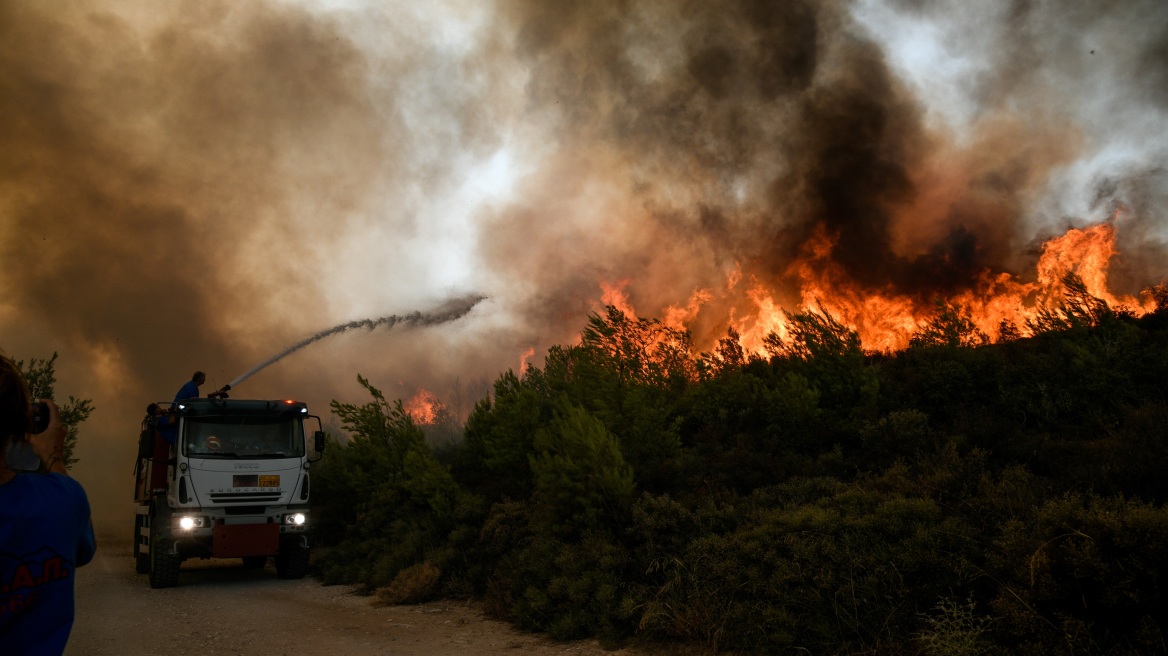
(221, 608)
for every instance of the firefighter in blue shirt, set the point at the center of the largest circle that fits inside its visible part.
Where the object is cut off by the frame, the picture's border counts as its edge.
(190, 390)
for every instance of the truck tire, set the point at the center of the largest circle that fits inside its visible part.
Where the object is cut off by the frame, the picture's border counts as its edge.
(292, 561)
(163, 564)
(141, 560)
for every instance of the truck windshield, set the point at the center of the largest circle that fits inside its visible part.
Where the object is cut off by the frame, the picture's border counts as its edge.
(257, 436)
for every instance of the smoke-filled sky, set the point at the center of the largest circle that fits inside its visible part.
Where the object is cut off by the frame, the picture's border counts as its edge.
(199, 185)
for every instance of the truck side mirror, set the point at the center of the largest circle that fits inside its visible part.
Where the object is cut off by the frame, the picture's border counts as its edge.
(319, 443)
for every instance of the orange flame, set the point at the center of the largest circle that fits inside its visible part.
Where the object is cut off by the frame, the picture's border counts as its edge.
(1086, 252)
(614, 294)
(678, 318)
(524, 358)
(423, 408)
(887, 320)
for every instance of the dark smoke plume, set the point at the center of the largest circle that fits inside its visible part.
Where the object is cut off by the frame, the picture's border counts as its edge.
(742, 128)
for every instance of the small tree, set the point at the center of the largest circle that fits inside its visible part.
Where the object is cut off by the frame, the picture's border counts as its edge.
(951, 326)
(640, 350)
(394, 501)
(728, 355)
(581, 478)
(829, 355)
(387, 440)
(42, 378)
(1079, 309)
(493, 457)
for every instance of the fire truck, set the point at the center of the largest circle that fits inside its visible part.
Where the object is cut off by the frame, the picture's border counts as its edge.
(224, 478)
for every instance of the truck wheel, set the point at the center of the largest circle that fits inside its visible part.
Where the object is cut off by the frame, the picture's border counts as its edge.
(163, 564)
(254, 562)
(292, 561)
(141, 560)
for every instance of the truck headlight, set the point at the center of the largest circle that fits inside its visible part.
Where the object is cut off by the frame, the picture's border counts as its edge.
(295, 519)
(187, 522)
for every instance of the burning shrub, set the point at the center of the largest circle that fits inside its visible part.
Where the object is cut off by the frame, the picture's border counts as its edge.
(951, 326)
(401, 500)
(643, 350)
(631, 374)
(1079, 309)
(828, 354)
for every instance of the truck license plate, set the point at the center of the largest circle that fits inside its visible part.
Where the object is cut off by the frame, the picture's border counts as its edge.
(251, 480)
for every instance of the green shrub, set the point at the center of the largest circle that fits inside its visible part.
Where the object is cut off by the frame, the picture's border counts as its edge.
(493, 459)
(1084, 573)
(813, 564)
(581, 479)
(393, 499)
(951, 498)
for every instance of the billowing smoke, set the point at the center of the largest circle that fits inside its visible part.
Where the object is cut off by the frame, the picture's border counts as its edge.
(700, 137)
(183, 186)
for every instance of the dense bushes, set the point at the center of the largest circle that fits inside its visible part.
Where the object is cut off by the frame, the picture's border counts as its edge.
(384, 503)
(955, 497)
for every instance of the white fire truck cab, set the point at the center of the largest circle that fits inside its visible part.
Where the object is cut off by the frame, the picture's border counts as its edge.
(234, 484)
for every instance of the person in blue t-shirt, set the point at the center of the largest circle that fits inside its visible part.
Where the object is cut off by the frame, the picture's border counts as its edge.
(190, 389)
(45, 529)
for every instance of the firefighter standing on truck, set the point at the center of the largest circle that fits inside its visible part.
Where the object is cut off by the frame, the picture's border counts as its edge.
(190, 389)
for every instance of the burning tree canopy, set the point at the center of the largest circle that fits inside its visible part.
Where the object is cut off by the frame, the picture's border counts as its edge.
(774, 157)
(994, 306)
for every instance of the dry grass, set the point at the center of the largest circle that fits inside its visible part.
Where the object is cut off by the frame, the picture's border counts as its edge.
(412, 585)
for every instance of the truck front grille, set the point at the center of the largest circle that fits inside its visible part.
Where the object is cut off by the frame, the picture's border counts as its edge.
(245, 497)
(245, 510)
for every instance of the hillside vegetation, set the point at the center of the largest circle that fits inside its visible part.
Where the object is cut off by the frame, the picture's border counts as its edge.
(957, 497)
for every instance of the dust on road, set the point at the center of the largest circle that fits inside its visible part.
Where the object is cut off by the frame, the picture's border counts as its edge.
(221, 608)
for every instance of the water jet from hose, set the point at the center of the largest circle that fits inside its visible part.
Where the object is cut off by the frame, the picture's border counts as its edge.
(449, 311)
